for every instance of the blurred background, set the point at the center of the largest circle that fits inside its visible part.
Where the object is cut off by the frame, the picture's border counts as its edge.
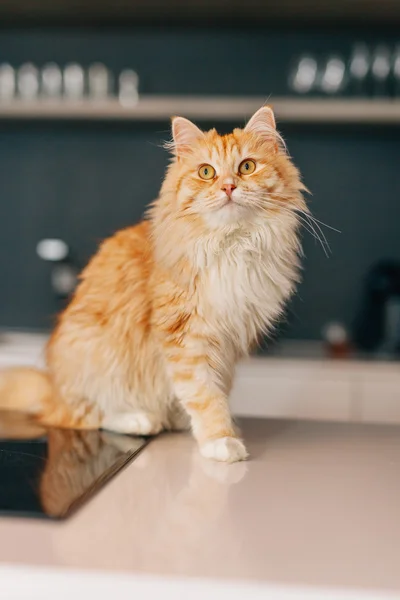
(86, 92)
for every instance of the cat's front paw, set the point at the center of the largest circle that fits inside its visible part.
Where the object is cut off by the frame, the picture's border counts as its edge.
(226, 449)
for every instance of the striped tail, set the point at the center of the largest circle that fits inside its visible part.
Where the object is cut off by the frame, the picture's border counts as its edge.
(30, 391)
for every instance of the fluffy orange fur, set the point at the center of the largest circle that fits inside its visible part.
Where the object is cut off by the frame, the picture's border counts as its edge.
(166, 308)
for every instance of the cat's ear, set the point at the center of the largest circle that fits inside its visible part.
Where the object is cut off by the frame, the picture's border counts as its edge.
(262, 123)
(185, 134)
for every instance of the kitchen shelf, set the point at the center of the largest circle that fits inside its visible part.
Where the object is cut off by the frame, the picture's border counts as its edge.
(157, 107)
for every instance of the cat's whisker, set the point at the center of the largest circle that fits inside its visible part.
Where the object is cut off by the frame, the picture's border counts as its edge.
(324, 244)
(317, 221)
(311, 219)
(325, 225)
(314, 223)
(308, 226)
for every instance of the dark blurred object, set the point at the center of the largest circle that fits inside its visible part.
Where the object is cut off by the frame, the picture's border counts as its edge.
(217, 11)
(378, 324)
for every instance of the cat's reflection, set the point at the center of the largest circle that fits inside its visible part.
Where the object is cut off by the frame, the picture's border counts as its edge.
(169, 512)
(159, 516)
(76, 461)
(18, 426)
(192, 517)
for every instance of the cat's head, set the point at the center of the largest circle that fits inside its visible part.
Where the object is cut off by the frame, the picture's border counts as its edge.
(242, 177)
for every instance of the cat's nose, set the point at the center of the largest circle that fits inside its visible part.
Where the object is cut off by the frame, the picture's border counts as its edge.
(228, 188)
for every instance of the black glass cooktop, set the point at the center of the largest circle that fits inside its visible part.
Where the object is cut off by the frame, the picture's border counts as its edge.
(49, 473)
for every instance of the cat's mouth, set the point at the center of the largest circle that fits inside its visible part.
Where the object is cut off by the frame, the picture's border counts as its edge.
(233, 204)
(229, 201)
(231, 209)
(228, 206)
(227, 209)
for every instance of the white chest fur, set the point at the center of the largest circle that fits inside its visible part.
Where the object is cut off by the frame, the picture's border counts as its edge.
(245, 284)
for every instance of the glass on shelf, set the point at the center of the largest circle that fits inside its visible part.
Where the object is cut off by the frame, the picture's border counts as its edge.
(303, 76)
(396, 70)
(333, 76)
(7, 82)
(128, 87)
(51, 81)
(28, 81)
(380, 70)
(359, 68)
(74, 82)
(99, 81)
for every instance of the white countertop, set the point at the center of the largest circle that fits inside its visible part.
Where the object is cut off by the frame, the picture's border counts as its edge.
(315, 509)
(313, 514)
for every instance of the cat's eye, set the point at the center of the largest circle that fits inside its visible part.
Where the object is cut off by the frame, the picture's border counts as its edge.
(247, 166)
(206, 172)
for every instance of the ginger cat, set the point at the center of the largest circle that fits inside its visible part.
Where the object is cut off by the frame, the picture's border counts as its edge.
(166, 308)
